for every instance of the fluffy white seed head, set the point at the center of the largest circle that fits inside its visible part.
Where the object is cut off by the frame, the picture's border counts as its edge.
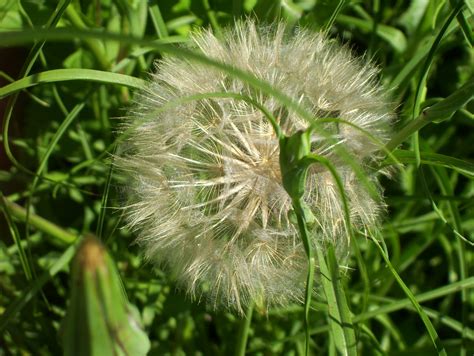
(205, 195)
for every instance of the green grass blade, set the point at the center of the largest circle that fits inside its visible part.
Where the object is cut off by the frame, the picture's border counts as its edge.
(211, 15)
(158, 22)
(465, 26)
(334, 15)
(13, 309)
(308, 245)
(429, 326)
(44, 160)
(446, 187)
(420, 91)
(441, 111)
(25, 262)
(396, 305)
(60, 75)
(96, 46)
(25, 70)
(105, 196)
(404, 74)
(340, 319)
(461, 166)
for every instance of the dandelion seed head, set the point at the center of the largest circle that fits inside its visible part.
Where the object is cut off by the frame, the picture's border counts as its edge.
(205, 193)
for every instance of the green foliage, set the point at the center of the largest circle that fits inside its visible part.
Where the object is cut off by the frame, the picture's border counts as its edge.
(407, 291)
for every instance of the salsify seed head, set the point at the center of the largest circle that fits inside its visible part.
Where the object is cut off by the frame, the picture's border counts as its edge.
(205, 193)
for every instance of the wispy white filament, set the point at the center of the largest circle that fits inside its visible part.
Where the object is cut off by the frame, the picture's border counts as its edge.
(205, 194)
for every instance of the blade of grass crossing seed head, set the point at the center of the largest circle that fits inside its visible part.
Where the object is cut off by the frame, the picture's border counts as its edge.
(293, 169)
(340, 319)
(295, 158)
(14, 37)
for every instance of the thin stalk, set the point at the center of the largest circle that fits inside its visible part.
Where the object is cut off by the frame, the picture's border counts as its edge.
(300, 216)
(244, 331)
(17, 239)
(41, 224)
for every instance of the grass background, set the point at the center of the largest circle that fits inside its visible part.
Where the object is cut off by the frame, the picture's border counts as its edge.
(57, 137)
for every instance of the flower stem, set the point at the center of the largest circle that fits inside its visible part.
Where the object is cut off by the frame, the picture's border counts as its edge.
(244, 331)
(300, 216)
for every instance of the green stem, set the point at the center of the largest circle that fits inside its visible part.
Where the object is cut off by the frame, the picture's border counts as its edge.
(244, 331)
(41, 224)
(300, 216)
